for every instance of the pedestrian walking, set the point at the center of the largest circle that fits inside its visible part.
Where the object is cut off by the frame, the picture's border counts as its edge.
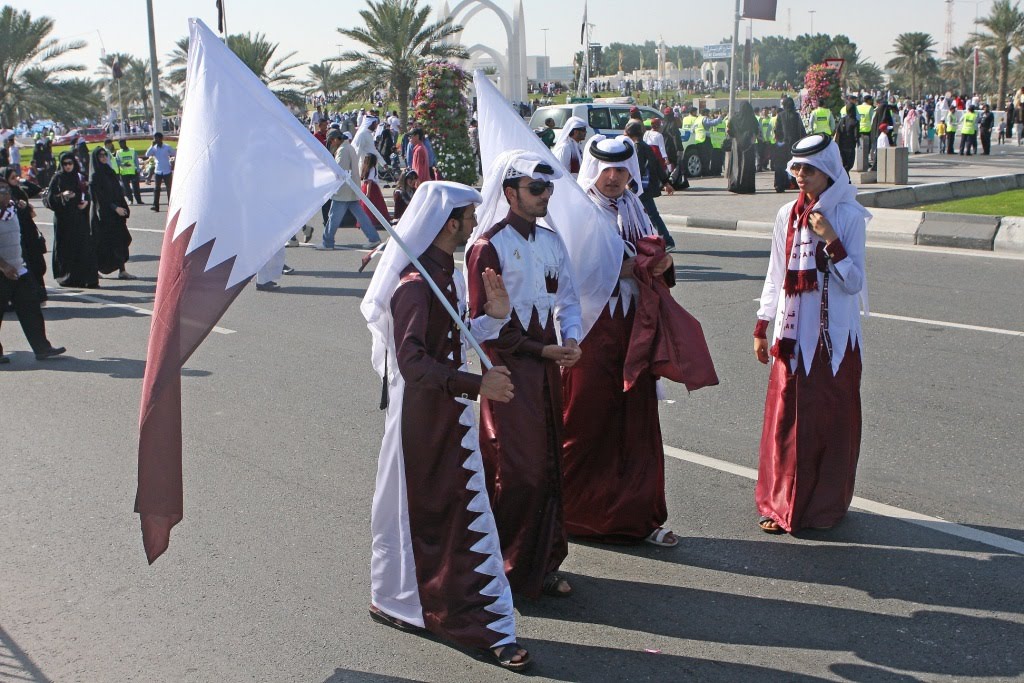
(109, 218)
(33, 244)
(74, 252)
(436, 562)
(127, 164)
(161, 154)
(813, 291)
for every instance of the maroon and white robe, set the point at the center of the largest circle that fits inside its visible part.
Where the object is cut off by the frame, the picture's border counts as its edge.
(810, 441)
(613, 460)
(521, 440)
(436, 558)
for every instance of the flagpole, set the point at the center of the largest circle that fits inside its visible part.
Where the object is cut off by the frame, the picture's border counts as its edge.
(466, 334)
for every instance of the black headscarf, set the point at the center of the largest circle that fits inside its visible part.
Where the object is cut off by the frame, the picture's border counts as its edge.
(101, 169)
(745, 123)
(69, 156)
(789, 128)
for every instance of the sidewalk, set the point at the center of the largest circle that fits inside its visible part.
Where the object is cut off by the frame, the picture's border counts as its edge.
(708, 204)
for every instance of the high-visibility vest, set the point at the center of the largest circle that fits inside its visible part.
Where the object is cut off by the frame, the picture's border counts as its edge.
(969, 124)
(127, 161)
(686, 126)
(951, 121)
(775, 120)
(766, 128)
(866, 112)
(820, 121)
(700, 134)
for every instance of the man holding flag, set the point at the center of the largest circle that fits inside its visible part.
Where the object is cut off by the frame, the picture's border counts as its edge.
(437, 562)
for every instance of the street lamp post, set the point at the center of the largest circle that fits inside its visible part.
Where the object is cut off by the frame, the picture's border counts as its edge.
(158, 122)
(811, 12)
(545, 30)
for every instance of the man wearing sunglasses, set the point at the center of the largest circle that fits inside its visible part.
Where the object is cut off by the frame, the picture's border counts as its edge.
(520, 441)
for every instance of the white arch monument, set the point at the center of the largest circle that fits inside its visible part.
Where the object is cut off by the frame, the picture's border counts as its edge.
(513, 63)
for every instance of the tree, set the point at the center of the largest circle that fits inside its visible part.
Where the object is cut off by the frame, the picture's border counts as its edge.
(914, 58)
(397, 41)
(34, 82)
(324, 79)
(1004, 31)
(257, 53)
(857, 73)
(959, 66)
(136, 82)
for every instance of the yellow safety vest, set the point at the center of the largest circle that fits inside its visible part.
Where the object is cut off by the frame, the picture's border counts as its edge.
(774, 120)
(766, 128)
(866, 112)
(686, 126)
(126, 162)
(700, 134)
(819, 121)
(969, 123)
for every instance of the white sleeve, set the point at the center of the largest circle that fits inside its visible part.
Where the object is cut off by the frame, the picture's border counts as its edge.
(849, 272)
(486, 328)
(776, 275)
(563, 154)
(567, 302)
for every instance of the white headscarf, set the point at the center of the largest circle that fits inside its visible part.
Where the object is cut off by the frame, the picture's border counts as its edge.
(571, 124)
(418, 227)
(514, 163)
(829, 162)
(631, 218)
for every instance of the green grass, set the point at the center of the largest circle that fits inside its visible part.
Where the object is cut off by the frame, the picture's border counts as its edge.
(140, 146)
(1003, 204)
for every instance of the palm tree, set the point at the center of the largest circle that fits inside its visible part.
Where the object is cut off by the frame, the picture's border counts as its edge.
(959, 66)
(914, 58)
(1005, 31)
(324, 79)
(397, 40)
(857, 73)
(257, 53)
(34, 81)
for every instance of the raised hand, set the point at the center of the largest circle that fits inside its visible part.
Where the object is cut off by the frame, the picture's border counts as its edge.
(498, 305)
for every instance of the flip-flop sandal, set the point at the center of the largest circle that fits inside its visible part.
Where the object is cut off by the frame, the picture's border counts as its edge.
(770, 526)
(657, 537)
(505, 655)
(551, 583)
(394, 622)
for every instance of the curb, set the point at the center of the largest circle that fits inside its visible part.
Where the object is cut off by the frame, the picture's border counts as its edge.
(913, 195)
(901, 226)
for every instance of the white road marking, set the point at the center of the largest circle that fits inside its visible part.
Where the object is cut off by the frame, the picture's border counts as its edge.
(959, 326)
(881, 509)
(137, 309)
(942, 323)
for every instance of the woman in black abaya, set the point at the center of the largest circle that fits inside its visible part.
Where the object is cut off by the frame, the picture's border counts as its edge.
(744, 133)
(74, 254)
(788, 129)
(109, 217)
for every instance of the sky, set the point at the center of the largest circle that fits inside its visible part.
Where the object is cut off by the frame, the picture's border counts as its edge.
(309, 26)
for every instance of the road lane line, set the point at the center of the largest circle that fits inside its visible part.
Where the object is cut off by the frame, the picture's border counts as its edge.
(959, 326)
(880, 509)
(137, 309)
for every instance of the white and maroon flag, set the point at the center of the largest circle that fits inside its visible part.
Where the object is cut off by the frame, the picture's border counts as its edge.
(247, 176)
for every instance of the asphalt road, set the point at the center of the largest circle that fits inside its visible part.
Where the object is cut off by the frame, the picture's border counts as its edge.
(267, 577)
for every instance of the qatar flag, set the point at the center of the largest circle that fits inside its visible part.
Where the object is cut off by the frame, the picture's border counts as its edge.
(227, 216)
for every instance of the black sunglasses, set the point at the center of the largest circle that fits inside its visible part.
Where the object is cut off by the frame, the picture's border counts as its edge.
(538, 187)
(797, 167)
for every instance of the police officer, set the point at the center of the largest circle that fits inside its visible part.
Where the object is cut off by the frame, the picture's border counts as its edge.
(865, 114)
(969, 131)
(822, 121)
(127, 166)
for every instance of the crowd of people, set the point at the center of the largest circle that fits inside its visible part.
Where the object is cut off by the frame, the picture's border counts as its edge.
(89, 194)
